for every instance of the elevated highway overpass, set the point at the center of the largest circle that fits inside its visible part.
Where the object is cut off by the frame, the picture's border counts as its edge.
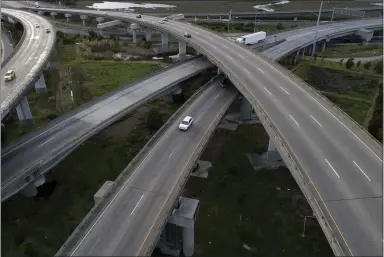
(28, 60)
(336, 163)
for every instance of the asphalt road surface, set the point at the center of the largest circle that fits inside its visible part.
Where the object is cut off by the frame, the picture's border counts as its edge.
(7, 44)
(48, 141)
(143, 198)
(346, 170)
(28, 59)
(343, 165)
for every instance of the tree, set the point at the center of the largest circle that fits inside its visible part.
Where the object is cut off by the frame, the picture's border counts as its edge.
(367, 65)
(341, 61)
(349, 64)
(154, 120)
(280, 26)
(358, 64)
(379, 67)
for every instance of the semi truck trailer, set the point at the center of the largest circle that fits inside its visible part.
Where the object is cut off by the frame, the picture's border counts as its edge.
(253, 38)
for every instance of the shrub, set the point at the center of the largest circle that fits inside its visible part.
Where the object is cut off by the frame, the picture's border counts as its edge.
(379, 67)
(154, 120)
(367, 65)
(349, 64)
(341, 61)
(358, 64)
(280, 26)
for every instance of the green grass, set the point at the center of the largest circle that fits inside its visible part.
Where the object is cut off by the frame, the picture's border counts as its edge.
(353, 51)
(353, 90)
(100, 77)
(269, 221)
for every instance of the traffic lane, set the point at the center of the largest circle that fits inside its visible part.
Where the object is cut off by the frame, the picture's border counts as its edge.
(158, 161)
(122, 99)
(13, 168)
(363, 241)
(264, 105)
(8, 48)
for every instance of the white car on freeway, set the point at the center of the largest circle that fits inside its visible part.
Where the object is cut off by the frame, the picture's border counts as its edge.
(186, 123)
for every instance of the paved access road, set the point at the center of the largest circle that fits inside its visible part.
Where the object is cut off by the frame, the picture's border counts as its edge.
(343, 164)
(47, 143)
(28, 60)
(123, 228)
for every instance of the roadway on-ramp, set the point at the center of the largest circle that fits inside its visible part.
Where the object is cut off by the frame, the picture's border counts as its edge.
(340, 161)
(29, 60)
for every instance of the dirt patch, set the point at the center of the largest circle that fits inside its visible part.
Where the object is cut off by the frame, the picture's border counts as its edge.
(122, 128)
(214, 145)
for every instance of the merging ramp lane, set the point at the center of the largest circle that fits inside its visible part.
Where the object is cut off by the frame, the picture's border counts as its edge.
(37, 152)
(337, 164)
(29, 60)
(154, 183)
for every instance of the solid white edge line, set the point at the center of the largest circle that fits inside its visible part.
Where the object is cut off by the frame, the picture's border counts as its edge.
(171, 153)
(361, 170)
(197, 118)
(316, 120)
(332, 168)
(217, 96)
(260, 70)
(137, 204)
(294, 120)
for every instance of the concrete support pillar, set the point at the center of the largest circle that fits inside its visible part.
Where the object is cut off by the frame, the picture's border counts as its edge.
(24, 113)
(164, 39)
(273, 154)
(40, 85)
(188, 241)
(245, 109)
(68, 16)
(83, 19)
(30, 191)
(219, 71)
(182, 50)
(302, 54)
(53, 15)
(99, 19)
(134, 27)
(309, 52)
(148, 34)
(323, 46)
(296, 56)
(134, 36)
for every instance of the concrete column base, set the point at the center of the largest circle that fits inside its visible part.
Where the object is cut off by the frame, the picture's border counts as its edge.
(40, 85)
(24, 113)
(272, 153)
(30, 191)
(201, 169)
(104, 189)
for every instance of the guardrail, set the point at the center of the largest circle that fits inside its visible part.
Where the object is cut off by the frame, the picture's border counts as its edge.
(17, 47)
(42, 165)
(90, 217)
(10, 104)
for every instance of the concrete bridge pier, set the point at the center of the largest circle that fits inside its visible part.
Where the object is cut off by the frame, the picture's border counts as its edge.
(245, 109)
(164, 39)
(134, 27)
(99, 20)
(323, 45)
(365, 34)
(182, 50)
(169, 98)
(68, 16)
(296, 56)
(40, 13)
(24, 113)
(183, 217)
(53, 15)
(303, 53)
(83, 19)
(148, 34)
(40, 85)
(31, 189)
(272, 153)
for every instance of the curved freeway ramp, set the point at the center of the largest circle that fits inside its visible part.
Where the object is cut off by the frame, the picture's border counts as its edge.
(39, 151)
(337, 164)
(28, 59)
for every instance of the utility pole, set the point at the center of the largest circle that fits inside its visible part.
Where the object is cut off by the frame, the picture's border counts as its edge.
(229, 18)
(305, 221)
(254, 27)
(317, 30)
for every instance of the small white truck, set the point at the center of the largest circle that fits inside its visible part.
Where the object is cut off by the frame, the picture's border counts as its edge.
(251, 39)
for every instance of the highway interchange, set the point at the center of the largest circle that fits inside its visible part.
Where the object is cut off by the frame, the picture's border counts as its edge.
(343, 165)
(33, 54)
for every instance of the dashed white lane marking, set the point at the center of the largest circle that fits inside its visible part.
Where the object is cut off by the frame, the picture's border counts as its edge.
(248, 71)
(242, 57)
(225, 46)
(137, 203)
(361, 170)
(294, 120)
(46, 141)
(229, 57)
(332, 168)
(217, 96)
(285, 90)
(260, 70)
(318, 123)
(267, 91)
(171, 153)
(197, 118)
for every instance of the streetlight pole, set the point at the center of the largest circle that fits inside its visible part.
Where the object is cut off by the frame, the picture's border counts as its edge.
(229, 18)
(305, 221)
(317, 30)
